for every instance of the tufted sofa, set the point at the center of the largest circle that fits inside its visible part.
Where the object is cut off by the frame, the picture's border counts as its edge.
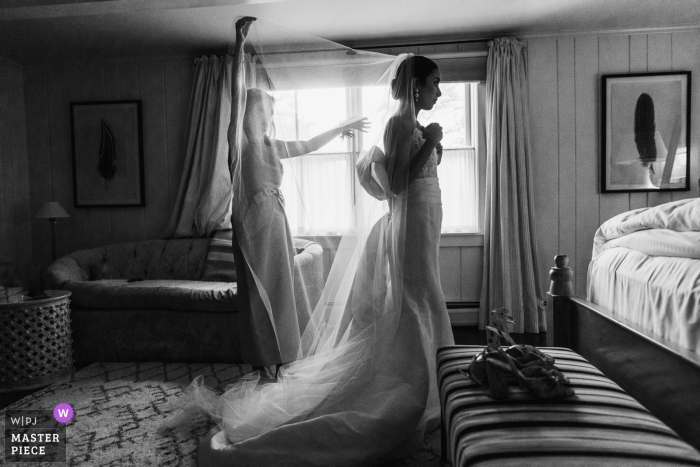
(146, 301)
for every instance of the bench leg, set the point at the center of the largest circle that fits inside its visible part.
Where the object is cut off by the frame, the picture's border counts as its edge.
(443, 439)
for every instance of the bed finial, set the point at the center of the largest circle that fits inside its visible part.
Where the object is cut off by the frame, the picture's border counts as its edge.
(561, 276)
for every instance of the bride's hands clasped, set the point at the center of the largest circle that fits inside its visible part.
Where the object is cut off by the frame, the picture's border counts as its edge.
(433, 133)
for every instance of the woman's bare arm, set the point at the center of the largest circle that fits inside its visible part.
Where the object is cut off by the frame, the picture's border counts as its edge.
(288, 149)
(237, 89)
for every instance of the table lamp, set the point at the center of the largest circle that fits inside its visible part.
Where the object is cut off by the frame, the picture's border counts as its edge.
(51, 211)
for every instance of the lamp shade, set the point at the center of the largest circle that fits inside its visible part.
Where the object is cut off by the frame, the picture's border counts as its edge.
(51, 210)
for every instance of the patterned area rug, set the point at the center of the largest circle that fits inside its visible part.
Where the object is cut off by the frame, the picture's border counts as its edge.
(119, 408)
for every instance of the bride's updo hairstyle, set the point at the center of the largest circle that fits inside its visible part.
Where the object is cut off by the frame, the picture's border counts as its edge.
(422, 67)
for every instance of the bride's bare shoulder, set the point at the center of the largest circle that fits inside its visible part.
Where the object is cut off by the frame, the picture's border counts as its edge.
(400, 124)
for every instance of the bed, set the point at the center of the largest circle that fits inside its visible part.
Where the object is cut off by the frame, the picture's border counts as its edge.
(641, 322)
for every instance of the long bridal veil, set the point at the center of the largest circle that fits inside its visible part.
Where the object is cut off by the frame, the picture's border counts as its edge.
(361, 388)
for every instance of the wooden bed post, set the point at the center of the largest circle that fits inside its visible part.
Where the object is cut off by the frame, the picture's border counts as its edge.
(659, 374)
(558, 304)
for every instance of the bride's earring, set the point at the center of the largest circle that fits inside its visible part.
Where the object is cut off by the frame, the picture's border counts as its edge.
(416, 93)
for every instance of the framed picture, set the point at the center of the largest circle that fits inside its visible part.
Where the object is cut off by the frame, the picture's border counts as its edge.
(107, 154)
(645, 132)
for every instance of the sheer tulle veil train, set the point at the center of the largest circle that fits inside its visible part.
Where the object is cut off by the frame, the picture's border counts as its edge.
(363, 389)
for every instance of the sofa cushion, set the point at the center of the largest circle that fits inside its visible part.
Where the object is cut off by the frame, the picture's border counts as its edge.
(178, 259)
(220, 266)
(153, 294)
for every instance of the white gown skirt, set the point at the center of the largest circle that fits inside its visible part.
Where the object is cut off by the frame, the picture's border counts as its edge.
(389, 416)
(423, 302)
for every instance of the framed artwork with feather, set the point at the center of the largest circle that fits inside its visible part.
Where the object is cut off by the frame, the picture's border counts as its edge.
(645, 132)
(107, 142)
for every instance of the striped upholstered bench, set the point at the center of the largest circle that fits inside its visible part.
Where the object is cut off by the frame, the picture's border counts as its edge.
(599, 426)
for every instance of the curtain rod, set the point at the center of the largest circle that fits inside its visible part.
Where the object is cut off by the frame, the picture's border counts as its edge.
(423, 44)
(348, 48)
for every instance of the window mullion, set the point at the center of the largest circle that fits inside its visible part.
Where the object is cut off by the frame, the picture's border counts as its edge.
(468, 115)
(354, 106)
(299, 173)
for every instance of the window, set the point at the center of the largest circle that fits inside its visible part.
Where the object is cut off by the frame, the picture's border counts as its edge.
(458, 171)
(318, 198)
(326, 179)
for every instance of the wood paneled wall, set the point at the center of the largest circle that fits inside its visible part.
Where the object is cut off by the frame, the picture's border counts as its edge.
(565, 106)
(163, 86)
(15, 224)
(460, 269)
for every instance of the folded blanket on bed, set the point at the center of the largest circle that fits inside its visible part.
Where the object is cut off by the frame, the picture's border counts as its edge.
(656, 242)
(671, 229)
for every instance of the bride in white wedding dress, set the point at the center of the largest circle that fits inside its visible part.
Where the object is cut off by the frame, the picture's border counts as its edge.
(364, 391)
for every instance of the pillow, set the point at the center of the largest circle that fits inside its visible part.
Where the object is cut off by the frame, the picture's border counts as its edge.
(219, 266)
(102, 271)
(372, 174)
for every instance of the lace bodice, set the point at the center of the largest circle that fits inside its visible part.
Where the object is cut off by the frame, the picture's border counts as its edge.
(430, 167)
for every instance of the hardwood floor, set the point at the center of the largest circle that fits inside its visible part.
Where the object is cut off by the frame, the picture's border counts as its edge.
(471, 335)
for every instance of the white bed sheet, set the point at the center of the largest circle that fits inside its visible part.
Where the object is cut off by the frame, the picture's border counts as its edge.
(659, 294)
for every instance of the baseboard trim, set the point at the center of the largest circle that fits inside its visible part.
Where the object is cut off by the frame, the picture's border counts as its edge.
(459, 305)
(464, 317)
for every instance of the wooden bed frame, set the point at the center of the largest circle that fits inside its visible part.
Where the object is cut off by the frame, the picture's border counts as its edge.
(660, 375)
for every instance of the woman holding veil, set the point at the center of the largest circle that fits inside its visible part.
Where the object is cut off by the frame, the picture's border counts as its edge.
(364, 390)
(270, 325)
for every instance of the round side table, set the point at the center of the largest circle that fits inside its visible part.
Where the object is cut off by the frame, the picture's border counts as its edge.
(35, 342)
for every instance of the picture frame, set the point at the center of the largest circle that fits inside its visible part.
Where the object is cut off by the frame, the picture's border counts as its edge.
(645, 132)
(107, 143)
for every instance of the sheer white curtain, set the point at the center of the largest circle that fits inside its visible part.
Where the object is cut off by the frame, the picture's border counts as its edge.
(511, 274)
(318, 197)
(318, 188)
(458, 173)
(328, 206)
